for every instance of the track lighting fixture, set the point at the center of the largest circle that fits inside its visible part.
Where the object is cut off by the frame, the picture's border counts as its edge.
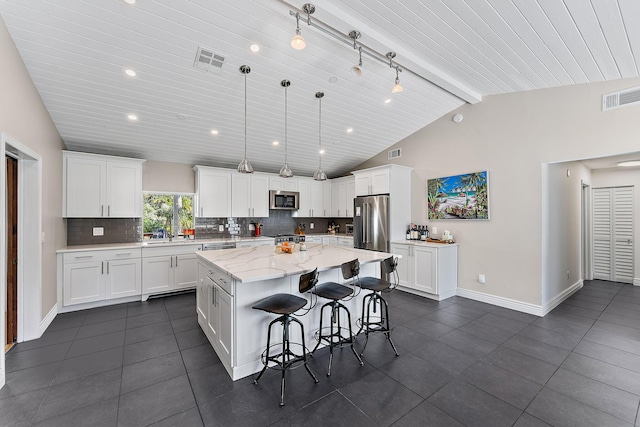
(245, 166)
(297, 42)
(285, 171)
(320, 175)
(397, 87)
(356, 69)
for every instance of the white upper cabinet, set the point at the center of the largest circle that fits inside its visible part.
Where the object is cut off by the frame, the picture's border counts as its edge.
(316, 198)
(250, 195)
(278, 183)
(327, 198)
(372, 181)
(342, 194)
(213, 192)
(96, 186)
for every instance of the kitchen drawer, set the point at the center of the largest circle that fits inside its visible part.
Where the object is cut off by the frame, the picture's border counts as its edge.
(98, 256)
(221, 279)
(169, 250)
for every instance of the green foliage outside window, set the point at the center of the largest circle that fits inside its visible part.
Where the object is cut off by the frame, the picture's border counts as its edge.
(158, 214)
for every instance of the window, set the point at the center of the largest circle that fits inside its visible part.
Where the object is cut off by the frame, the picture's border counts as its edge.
(167, 215)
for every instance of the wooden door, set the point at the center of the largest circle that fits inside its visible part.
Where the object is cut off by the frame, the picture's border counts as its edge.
(12, 251)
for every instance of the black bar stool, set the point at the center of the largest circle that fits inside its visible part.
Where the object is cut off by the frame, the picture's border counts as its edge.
(378, 286)
(336, 293)
(287, 305)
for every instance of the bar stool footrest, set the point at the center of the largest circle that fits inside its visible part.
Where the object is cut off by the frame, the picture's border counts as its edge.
(275, 360)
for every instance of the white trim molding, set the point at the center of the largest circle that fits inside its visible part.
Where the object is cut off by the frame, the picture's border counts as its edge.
(636, 281)
(525, 307)
(44, 323)
(509, 303)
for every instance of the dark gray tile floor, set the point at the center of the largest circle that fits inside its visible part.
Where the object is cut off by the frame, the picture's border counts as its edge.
(461, 362)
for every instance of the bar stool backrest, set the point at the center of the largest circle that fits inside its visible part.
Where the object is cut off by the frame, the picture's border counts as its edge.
(389, 266)
(308, 281)
(350, 269)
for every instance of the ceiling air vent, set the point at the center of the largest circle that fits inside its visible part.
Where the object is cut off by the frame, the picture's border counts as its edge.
(621, 98)
(394, 154)
(207, 60)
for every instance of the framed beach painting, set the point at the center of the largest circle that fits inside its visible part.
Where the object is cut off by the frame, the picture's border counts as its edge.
(459, 197)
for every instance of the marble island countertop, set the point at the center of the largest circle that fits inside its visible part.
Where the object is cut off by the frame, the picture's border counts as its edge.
(262, 263)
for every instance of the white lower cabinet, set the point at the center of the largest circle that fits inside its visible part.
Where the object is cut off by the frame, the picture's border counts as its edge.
(429, 269)
(214, 297)
(169, 268)
(91, 276)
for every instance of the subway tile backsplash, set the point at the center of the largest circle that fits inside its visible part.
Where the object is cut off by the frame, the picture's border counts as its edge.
(116, 230)
(278, 222)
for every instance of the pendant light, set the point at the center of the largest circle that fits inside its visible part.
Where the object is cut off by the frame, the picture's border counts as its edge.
(397, 87)
(286, 171)
(356, 69)
(245, 166)
(320, 175)
(297, 42)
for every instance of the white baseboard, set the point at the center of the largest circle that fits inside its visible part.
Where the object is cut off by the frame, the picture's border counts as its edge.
(2, 378)
(536, 310)
(44, 323)
(636, 281)
(555, 301)
(512, 304)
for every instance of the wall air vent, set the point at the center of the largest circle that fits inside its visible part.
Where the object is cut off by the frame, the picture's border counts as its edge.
(207, 60)
(621, 98)
(394, 154)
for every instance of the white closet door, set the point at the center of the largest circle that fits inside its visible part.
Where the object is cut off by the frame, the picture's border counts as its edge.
(623, 234)
(602, 233)
(613, 234)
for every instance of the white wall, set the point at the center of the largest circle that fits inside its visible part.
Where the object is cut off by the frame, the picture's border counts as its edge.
(512, 136)
(561, 224)
(620, 178)
(24, 117)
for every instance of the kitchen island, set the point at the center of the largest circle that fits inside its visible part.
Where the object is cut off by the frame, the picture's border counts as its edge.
(230, 282)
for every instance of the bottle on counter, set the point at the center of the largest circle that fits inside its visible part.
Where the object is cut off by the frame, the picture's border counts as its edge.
(409, 232)
(423, 233)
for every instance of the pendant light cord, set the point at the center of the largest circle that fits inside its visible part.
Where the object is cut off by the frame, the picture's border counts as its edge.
(245, 116)
(320, 133)
(285, 125)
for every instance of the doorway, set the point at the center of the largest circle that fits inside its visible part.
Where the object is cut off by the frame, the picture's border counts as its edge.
(11, 319)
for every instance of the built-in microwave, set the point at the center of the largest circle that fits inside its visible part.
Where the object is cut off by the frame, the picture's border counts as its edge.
(284, 200)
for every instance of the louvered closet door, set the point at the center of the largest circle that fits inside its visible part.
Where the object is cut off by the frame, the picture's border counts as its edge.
(613, 234)
(623, 234)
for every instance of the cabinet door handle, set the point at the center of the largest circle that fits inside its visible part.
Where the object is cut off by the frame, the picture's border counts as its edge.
(213, 296)
(108, 210)
(102, 269)
(176, 260)
(101, 210)
(171, 266)
(108, 262)
(84, 257)
(123, 254)
(201, 210)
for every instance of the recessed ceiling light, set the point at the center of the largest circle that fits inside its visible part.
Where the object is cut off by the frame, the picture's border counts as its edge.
(182, 116)
(388, 100)
(275, 143)
(130, 72)
(321, 151)
(629, 163)
(214, 131)
(254, 48)
(349, 130)
(333, 79)
(132, 117)
(130, 1)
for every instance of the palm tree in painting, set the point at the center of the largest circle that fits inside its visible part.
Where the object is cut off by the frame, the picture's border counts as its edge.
(479, 181)
(437, 186)
(465, 181)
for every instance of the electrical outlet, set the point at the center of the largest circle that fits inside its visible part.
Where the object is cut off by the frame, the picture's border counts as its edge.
(98, 231)
(568, 274)
(434, 230)
(481, 278)
(311, 226)
(252, 227)
(221, 227)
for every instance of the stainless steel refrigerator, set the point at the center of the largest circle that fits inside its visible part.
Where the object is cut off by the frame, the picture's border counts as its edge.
(371, 223)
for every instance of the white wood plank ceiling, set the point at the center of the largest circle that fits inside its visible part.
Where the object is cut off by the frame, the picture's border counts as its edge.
(76, 52)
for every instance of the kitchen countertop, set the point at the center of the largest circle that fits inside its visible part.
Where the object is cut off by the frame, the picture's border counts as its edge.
(328, 235)
(262, 263)
(421, 243)
(146, 244)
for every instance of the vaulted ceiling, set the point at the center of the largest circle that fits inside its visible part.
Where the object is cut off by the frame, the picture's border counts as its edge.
(451, 51)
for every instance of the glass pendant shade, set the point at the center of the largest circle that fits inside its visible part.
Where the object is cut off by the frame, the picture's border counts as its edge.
(285, 171)
(397, 87)
(245, 166)
(297, 42)
(320, 175)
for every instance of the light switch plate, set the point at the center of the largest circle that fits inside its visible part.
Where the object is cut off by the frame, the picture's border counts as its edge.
(221, 227)
(98, 231)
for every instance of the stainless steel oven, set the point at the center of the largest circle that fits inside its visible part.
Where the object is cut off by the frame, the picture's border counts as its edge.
(284, 200)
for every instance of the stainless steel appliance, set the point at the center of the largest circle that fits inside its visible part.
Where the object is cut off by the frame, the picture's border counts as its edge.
(284, 200)
(371, 223)
(215, 246)
(348, 228)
